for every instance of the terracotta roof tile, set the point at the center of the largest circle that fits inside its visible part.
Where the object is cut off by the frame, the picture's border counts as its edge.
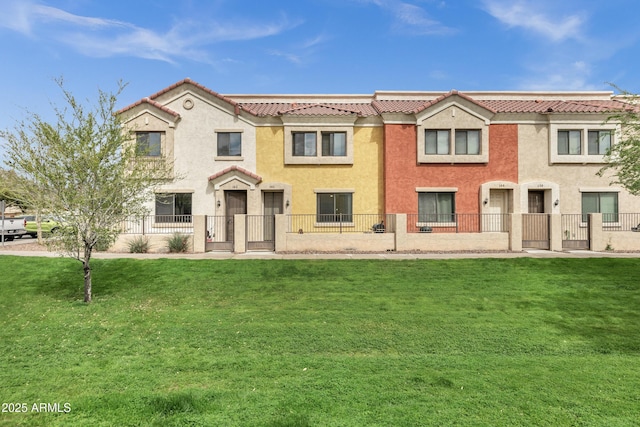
(235, 168)
(406, 106)
(150, 102)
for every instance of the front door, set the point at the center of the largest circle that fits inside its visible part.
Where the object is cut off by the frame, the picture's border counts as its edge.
(535, 224)
(236, 203)
(272, 207)
(498, 209)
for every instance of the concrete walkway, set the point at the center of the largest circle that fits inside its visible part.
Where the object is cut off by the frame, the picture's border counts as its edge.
(385, 255)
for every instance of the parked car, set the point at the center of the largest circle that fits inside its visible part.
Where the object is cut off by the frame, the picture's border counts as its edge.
(48, 226)
(12, 228)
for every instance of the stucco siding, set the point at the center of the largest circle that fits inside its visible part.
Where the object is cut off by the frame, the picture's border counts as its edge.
(364, 176)
(403, 174)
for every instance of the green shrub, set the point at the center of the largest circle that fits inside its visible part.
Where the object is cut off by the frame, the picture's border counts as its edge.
(139, 245)
(178, 242)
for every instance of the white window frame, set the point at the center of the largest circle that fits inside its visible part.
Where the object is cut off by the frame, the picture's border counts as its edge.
(318, 159)
(230, 158)
(162, 143)
(451, 156)
(584, 128)
(349, 191)
(435, 224)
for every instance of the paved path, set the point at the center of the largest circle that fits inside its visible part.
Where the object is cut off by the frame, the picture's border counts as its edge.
(385, 255)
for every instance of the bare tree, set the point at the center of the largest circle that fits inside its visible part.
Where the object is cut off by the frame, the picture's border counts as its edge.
(84, 171)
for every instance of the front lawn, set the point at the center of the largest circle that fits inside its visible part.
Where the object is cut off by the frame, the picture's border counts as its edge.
(485, 342)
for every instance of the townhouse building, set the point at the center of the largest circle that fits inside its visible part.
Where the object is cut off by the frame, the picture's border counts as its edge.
(431, 156)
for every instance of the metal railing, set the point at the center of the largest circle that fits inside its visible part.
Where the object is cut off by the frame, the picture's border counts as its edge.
(341, 223)
(218, 228)
(457, 223)
(158, 224)
(621, 222)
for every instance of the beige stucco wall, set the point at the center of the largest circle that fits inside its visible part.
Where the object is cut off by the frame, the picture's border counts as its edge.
(562, 182)
(364, 176)
(192, 143)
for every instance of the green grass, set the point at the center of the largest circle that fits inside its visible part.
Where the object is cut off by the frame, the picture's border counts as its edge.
(485, 342)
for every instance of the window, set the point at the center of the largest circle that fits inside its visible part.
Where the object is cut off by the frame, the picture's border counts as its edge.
(229, 144)
(334, 207)
(605, 203)
(319, 145)
(569, 142)
(173, 207)
(149, 144)
(599, 142)
(436, 207)
(467, 142)
(304, 144)
(436, 141)
(334, 143)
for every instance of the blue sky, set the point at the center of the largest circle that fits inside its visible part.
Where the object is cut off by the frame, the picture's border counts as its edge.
(311, 46)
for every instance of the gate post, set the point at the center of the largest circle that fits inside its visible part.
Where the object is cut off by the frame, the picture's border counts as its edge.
(596, 238)
(199, 233)
(515, 232)
(555, 232)
(240, 233)
(280, 233)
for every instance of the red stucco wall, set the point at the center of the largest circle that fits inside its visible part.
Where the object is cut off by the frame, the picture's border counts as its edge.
(402, 173)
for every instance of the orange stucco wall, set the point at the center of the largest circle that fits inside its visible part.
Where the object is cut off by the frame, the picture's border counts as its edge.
(402, 173)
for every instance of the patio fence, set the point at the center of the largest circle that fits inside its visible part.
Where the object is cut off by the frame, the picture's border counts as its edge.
(158, 224)
(621, 222)
(457, 223)
(341, 223)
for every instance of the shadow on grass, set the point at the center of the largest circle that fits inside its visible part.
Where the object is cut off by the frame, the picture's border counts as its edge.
(597, 300)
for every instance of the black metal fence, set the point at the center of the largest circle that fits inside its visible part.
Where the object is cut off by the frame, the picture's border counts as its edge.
(621, 222)
(457, 223)
(158, 224)
(341, 223)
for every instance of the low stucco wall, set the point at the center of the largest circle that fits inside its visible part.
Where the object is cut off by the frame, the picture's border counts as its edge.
(157, 243)
(454, 242)
(617, 241)
(366, 242)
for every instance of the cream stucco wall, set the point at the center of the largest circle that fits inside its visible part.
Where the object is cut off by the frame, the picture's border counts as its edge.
(192, 143)
(364, 176)
(562, 182)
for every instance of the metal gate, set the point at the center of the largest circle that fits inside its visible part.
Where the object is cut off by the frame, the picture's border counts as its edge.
(535, 231)
(575, 231)
(261, 232)
(218, 239)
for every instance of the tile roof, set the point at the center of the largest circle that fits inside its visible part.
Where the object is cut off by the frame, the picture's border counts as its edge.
(150, 102)
(412, 104)
(238, 169)
(264, 109)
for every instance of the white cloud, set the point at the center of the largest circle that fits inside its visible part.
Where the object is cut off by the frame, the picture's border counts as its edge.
(530, 15)
(100, 37)
(411, 19)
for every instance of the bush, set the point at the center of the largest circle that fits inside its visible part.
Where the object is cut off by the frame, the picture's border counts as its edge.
(139, 245)
(178, 242)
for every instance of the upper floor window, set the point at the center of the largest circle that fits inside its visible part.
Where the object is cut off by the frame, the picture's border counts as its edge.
(304, 144)
(229, 144)
(453, 146)
(467, 142)
(599, 142)
(437, 141)
(318, 145)
(576, 143)
(334, 143)
(569, 142)
(149, 143)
